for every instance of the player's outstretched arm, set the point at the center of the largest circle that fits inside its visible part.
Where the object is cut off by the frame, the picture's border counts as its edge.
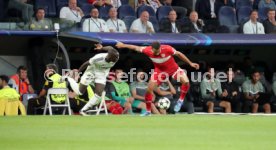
(182, 57)
(129, 46)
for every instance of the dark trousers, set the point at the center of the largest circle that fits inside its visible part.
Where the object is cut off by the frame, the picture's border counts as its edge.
(34, 104)
(263, 99)
(76, 105)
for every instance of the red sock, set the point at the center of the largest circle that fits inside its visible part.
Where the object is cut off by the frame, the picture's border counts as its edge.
(183, 91)
(148, 99)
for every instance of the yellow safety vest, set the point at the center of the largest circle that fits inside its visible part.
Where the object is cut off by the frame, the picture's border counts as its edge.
(59, 98)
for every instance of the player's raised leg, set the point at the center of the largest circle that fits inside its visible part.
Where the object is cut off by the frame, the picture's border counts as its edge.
(181, 77)
(149, 97)
(97, 95)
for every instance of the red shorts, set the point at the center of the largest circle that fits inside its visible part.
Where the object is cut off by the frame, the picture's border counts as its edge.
(159, 76)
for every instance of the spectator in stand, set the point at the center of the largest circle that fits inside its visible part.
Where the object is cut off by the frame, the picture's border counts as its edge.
(94, 24)
(194, 25)
(22, 5)
(270, 23)
(255, 94)
(171, 25)
(139, 88)
(208, 9)
(142, 24)
(270, 4)
(40, 23)
(181, 11)
(165, 89)
(212, 94)
(72, 12)
(100, 3)
(232, 92)
(113, 23)
(155, 4)
(22, 81)
(253, 26)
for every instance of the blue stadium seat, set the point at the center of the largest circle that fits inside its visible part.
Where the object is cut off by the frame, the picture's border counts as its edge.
(154, 22)
(243, 13)
(125, 10)
(163, 11)
(145, 8)
(240, 3)
(124, 2)
(262, 12)
(86, 9)
(83, 3)
(49, 6)
(103, 12)
(128, 21)
(227, 17)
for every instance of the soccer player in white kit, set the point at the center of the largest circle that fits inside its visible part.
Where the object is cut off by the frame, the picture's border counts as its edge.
(97, 69)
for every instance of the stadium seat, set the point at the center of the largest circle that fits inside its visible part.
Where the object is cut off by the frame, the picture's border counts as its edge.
(49, 6)
(82, 3)
(86, 9)
(227, 17)
(243, 13)
(125, 10)
(103, 12)
(124, 2)
(162, 12)
(102, 106)
(240, 3)
(155, 23)
(262, 12)
(49, 105)
(149, 9)
(128, 21)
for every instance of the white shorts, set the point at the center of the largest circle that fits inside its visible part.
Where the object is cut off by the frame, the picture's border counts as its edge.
(88, 77)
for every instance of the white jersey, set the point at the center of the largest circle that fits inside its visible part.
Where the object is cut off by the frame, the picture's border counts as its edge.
(97, 71)
(99, 65)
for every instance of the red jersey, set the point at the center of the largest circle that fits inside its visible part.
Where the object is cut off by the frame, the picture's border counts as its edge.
(164, 62)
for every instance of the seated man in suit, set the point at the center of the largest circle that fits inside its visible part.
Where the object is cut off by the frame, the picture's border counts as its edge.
(170, 25)
(194, 25)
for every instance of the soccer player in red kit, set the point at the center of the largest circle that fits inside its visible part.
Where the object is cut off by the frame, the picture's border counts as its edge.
(164, 66)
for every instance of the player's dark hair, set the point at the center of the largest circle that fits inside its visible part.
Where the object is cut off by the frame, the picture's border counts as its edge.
(155, 45)
(52, 66)
(4, 78)
(21, 68)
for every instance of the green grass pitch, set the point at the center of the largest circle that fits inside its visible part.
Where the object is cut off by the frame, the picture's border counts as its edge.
(185, 132)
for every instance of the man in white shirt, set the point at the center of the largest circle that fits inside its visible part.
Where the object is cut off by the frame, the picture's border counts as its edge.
(142, 25)
(113, 23)
(113, 3)
(94, 24)
(253, 26)
(72, 12)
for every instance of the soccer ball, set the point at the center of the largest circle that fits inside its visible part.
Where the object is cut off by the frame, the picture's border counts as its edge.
(164, 103)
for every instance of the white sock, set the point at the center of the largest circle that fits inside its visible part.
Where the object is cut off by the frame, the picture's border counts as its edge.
(74, 85)
(90, 103)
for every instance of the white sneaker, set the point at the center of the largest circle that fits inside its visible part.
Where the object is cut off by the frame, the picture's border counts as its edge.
(83, 113)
